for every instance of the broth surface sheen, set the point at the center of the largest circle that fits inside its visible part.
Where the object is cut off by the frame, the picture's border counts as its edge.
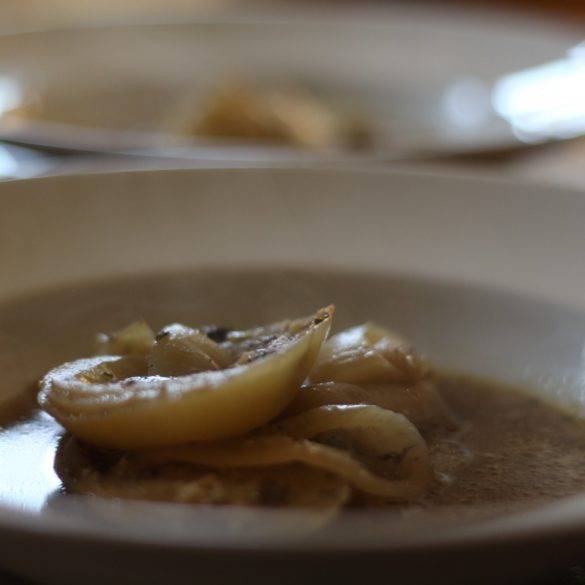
(513, 450)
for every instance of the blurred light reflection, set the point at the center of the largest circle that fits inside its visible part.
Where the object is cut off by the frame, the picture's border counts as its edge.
(23, 163)
(465, 105)
(545, 102)
(11, 94)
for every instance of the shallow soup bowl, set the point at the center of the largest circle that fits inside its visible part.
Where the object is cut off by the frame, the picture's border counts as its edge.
(484, 276)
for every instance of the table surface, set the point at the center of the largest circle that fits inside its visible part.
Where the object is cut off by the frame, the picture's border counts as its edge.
(563, 10)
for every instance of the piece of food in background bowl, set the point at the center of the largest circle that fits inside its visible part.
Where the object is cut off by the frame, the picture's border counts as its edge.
(291, 115)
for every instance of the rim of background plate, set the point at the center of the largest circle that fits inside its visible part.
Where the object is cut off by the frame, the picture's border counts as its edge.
(63, 136)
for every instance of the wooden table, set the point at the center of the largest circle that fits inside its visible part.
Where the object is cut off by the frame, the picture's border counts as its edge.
(571, 11)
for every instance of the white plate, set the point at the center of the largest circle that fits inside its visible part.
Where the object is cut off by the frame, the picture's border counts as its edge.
(485, 276)
(423, 79)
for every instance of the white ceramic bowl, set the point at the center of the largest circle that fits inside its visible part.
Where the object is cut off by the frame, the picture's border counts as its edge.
(485, 276)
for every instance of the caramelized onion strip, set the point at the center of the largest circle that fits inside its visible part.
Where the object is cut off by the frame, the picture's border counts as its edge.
(110, 401)
(420, 402)
(276, 450)
(368, 353)
(386, 441)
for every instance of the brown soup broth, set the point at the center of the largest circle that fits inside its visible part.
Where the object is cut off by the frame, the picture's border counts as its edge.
(511, 450)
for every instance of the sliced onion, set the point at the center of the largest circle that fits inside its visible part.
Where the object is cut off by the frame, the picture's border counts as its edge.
(368, 353)
(143, 411)
(386, 440)
(135, 339)
(400, 450)
(420, 402)
(180, 351)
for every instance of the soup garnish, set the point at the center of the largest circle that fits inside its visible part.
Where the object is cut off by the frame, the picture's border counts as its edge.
(215, 415)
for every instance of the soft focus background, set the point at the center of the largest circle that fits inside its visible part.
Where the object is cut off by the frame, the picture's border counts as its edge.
(28, 14)
(561, 163)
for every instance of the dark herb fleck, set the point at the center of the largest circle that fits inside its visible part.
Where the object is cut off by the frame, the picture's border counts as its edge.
(217, 334)
(161, 334)
(396, 457)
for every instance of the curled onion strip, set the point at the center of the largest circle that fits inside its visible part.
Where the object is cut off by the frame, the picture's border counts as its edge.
(388, 441)
(420, 402)
(368, 353)
(404, 443)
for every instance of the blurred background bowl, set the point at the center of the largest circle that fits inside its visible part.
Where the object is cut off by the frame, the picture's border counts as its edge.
(420, 80)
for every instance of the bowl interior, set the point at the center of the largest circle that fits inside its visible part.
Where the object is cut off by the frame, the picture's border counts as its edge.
(81, 254)
(470, 329)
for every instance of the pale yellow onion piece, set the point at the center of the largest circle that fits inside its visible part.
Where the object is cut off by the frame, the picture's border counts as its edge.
(420, 402)
(103, 369)
(291, 116)
(135, 339)
(180, 350)
(366, 335)
(387, 440)
(367, 353)
(276, 450)
(152, 411)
